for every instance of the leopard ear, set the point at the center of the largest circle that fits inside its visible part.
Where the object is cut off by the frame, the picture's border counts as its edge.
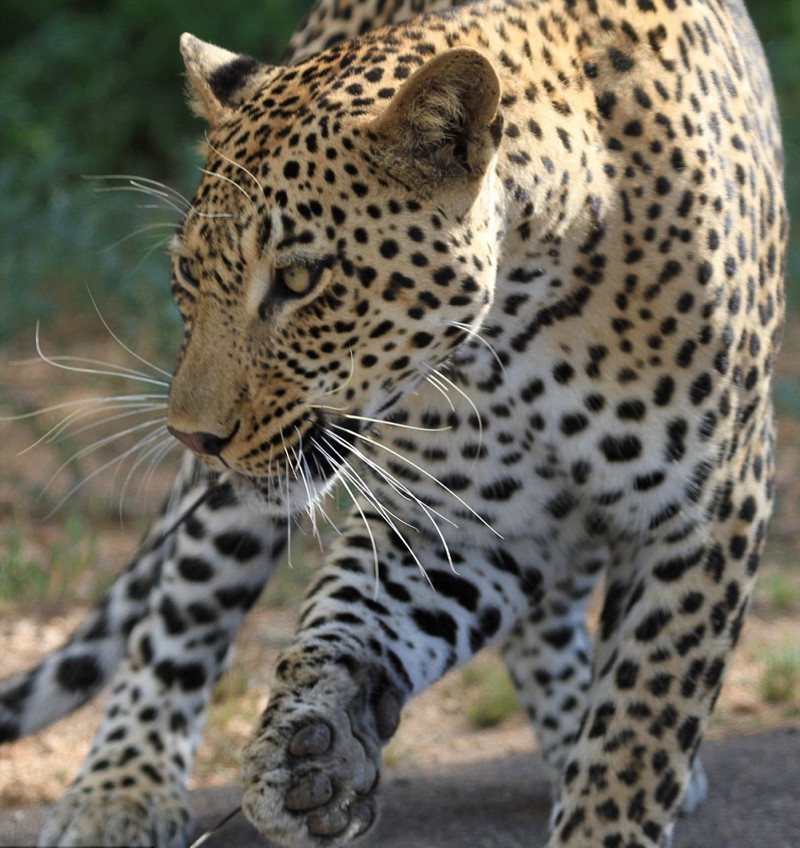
(218, 79)
(443, 123)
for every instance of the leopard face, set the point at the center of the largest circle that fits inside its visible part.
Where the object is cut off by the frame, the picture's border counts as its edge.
(328, 261)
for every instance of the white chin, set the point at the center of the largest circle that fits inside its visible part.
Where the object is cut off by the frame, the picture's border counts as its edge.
(278, 499)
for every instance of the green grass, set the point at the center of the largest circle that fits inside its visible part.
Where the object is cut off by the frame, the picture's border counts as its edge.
(55, 584)
(780, 678)
(489, 693)
(779, 592)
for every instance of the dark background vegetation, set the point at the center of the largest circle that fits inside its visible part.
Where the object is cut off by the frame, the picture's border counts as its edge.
(94, 87)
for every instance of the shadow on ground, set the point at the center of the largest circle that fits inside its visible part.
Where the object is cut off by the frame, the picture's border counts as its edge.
(754, 803)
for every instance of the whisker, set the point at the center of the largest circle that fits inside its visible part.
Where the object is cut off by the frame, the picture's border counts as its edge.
(298, 453)
(167, 445)
(81, 483)
(121, 371)
(209, 833)
(430, 378)
(123, 345)
(349, 377)
(140, 231)
(387, 423)
(107, 440)
(326, 406)
(161, 188)
(122, 374)
(58, 432)
(214, 486)
(389, 517)
(289, 517)
(400, 488)
(210, 215)
(231, 182)
(407, 494)
(367, 527)
(239, 166)
(474, 334)
(421, 470)
(478, 417)
(134, 188)
(158, 447)
(69, 404)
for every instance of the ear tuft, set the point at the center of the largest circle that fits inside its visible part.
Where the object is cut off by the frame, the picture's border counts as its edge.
(218, 79)
(443, 122)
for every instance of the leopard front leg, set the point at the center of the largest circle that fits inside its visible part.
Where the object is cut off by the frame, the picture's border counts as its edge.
(131, 789)
(374, 631)
(549, 657)
(671, 619)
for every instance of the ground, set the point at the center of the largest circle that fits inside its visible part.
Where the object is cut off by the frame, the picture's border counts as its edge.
(55, 562)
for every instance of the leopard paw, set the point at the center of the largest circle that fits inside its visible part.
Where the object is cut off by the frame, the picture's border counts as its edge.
(116, 818)
(697, 789)
(311, 775)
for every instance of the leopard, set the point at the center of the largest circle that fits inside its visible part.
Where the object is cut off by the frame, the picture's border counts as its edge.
(508, 274)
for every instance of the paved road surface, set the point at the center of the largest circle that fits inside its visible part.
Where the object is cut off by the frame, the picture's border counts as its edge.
(754, 803)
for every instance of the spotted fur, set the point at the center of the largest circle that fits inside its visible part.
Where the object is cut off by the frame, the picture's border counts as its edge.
(511, 273)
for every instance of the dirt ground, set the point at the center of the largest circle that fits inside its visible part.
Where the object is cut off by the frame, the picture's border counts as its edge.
(56, 559)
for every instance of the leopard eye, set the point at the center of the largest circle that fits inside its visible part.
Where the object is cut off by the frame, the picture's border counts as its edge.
(298, 280)
(187, 271)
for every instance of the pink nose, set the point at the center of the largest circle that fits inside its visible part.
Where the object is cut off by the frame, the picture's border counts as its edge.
(206, 444)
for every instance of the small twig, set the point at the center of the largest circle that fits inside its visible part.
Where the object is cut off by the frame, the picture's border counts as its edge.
(209, 833)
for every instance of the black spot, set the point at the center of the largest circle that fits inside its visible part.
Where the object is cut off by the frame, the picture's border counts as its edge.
(559, 637)
(620, 61)
(561, 505)
(701, 389)
(436, 623)
(238, 596)
(389, 249)
(421, 339)
(660, 684)
(240, 546)
(189, 676)
(608, 810)
(195, 570)
(645, 482)
(194, 527)
(573, 423)
(452, 586)
(173, 621)
(444, 276)
(563, 372)
(653, 625)
(78, 674)
(532, 390)
(631, 410)
(668, 790)
(602, 716)
(500, 490)
(152, 773)
(621, 448)
(221, 497)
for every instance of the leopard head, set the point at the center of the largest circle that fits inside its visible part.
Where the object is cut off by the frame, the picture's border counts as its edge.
(339, 246)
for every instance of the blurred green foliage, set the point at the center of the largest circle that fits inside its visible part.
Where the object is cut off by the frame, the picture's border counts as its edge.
(93, 87)
(90, 87)
(778, 24)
